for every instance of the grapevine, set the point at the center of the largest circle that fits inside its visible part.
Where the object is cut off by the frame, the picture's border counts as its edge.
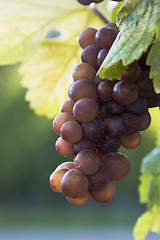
(100, 116)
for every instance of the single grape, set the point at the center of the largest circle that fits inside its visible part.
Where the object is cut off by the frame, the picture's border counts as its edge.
(56, 178)
(89, 55)
(64, 148)
(71, 131)
(105, 90)
(83, 71)
(113, 108)
(131, 122)
(85, 110)
(87, 162)
(100, 179)
(67, 106)
(85, 2)
(74, 184)
(87, 37)
(131, 140)
(66, 165)
(132, 73)
(93, 130)
(113, 26)
(114, 126)
(82, 88)
(117, 164)
(82, 145)
(105, 37)
(144, 121)
(101, 56)
(79, 201)
(105, 194)
(125, 92)
(138, 107)
(60, 119)
(109, 144)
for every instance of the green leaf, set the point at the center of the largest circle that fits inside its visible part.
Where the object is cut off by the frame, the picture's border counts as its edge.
(154, 59)
(151, 162)
(24, 24)
(143, 186)
(153, 194)
(137, 20)
(149, 221)
(115, 11)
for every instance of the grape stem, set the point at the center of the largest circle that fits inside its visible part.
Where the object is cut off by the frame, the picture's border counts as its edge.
(100, 15)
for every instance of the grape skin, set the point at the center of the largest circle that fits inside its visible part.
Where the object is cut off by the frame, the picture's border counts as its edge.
(67, 106)
(87, 37)
(79, 201)
(105, 194)
(83, 71)
(56, 178)
(89, 55)
(60, 119)
(66, 165)
(85, 110)
(82, 145)
(74, 184)
(71, 132)
(131, 140)
(64, 148)
(87, 162)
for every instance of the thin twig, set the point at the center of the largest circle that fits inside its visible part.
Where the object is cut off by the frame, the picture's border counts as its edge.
(100, 15)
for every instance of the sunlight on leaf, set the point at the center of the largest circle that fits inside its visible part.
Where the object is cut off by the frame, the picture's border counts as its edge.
(149, 221)
(137, 20)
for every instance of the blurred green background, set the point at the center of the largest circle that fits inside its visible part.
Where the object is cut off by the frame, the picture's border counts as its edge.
(28, 157)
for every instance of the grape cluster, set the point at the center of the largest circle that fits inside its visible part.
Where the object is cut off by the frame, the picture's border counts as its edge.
(100, 116)
(88, 2)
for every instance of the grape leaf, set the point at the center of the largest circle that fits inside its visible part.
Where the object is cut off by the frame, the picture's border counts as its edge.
(137, 21)
(153, 193)
(154, 59)
(151, 162)
(24, 25)
(149, 221)
(144, 179)
(47, 72)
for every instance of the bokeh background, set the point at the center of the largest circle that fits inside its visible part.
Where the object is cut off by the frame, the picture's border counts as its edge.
(29, 209)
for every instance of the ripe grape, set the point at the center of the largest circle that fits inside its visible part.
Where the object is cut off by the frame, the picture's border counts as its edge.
(138, 107)
(87, 162)
(153, 101)
(97, 80)
(101, 56)
(117, 164)
(66, 165)
(105, 37)
(145, 85)
(114, 126)
(85, 110)
(87, 37)
(85, 2)
(131, 140)
(113, 108)
(93, 130)
(109, 144)
(82, 145)
(100, 179)
(131, 122)
(105, 194)
(64, 148)
(60, 119)
(83, 71)
(144, 121)
(56, 178)
(74, 184)
(82, 88)
(71, 131)
(105, 89)
(79, 201)
(125, 92)
(132, 73)
(67, 106)
(89, 55)
(113, 26)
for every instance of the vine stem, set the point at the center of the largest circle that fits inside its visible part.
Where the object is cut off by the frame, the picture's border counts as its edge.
(100, 15)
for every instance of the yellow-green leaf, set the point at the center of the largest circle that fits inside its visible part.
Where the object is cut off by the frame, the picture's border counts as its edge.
(143, 188)
(24, 25)
(149, 221)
